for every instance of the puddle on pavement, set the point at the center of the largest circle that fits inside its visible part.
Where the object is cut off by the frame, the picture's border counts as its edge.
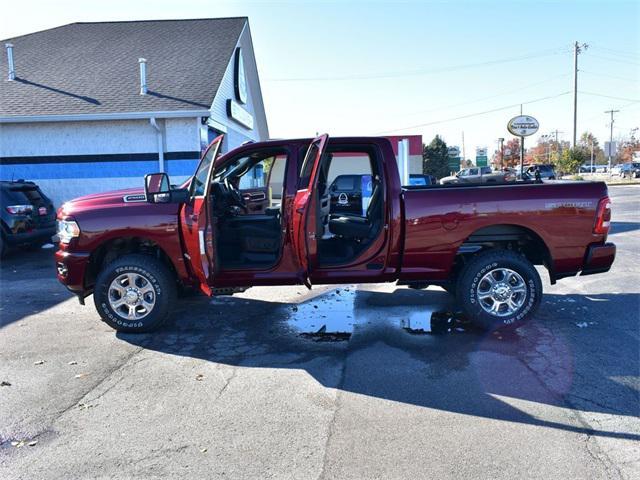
(336, 315)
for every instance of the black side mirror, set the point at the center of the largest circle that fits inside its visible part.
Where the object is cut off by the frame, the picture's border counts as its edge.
(157, 188)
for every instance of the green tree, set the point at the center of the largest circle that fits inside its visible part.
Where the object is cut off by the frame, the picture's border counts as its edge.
(435, 158)
(587, 139)
(571, 159)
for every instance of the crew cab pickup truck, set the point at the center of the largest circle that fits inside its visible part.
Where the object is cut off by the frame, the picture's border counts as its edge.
(222, 232)
(478, 175)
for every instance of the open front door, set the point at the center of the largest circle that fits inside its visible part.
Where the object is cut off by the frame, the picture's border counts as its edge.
(304, 216)
(196, 220)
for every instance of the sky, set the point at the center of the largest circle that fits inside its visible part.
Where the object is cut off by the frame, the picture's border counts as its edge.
(413, 67)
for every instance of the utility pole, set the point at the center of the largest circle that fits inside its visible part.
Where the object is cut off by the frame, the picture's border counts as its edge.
(463, 151)
(610, 138)
(501, 140)
(558, 147)
(577, 48)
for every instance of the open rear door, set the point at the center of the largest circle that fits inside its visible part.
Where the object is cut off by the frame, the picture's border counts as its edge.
(196, 220)
(304, 217)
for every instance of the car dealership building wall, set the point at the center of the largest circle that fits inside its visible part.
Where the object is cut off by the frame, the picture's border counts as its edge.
(79, 154)
(71, 159)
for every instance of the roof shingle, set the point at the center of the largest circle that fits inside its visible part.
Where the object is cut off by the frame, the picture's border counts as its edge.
(92, 68)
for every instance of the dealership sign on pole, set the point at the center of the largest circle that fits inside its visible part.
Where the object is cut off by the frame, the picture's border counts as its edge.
(522, 126)
(481, 157)
(454, 158)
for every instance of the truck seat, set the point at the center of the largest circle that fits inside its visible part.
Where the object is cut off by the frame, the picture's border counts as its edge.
(358, 227)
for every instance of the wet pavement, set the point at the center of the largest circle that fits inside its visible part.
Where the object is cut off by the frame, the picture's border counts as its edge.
(355, 381)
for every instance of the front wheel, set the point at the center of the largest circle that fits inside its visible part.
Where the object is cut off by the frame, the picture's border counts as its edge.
(134, 293)
(499, 289)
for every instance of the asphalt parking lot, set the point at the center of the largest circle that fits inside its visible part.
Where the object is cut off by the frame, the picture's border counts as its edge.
(231, 389)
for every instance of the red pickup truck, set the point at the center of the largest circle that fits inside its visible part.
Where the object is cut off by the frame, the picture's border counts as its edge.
(261, 215)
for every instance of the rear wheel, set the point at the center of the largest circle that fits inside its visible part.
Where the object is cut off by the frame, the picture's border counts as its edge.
(135, 293)
(499, 289)
(2, 245)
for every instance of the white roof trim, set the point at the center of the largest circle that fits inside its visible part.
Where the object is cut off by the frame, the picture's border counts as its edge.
(103, 116)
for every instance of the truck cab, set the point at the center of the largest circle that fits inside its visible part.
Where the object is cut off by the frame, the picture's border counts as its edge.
(262, 214)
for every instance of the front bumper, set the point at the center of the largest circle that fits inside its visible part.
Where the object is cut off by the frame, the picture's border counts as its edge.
(71, 267)
(599, 258)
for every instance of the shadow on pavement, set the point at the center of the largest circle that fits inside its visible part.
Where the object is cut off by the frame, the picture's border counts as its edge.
(623, 227)
(28, 284)
(554, 360)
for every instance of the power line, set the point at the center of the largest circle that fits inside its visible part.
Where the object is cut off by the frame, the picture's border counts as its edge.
(510, 92)
(608, 96)
(619, 60)
(411, 73)
(610, 76)
(617, 52)
(475, 114)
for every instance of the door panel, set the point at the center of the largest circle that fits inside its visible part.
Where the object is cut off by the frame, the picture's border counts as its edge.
(304, 209)
(195, 221)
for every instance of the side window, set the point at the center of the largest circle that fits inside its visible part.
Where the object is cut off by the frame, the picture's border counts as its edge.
(350, 179)
(268, 174)
(485, 170)
(256, 176)
(463, 173)
(473, 171)
(307, 166)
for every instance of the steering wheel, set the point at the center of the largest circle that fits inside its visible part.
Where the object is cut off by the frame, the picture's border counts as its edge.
(235, 196)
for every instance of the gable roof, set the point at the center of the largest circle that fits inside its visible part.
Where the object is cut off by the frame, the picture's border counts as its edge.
(92, 68)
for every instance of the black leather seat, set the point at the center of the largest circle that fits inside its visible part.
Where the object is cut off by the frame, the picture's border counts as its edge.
(359, 227)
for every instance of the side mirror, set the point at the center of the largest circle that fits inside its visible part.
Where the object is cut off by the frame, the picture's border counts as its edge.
(157, 188)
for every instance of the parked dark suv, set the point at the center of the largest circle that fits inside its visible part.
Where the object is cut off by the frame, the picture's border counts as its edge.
(547, 172)
(27, 215)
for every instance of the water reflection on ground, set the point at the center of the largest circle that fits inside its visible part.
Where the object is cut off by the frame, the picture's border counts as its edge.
(346, 311)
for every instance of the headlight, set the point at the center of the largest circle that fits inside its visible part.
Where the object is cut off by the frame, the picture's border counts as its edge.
(67, 229)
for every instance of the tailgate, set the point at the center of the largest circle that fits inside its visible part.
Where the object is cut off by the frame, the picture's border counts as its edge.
(42, 214)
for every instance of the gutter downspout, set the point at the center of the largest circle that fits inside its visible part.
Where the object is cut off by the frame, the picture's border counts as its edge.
(159, 136)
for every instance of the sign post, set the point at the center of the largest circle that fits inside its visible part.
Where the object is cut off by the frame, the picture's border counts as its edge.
(454, 158)
(482, 160)
(522, 126)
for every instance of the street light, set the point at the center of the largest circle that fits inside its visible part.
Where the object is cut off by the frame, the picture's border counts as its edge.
(547, 138)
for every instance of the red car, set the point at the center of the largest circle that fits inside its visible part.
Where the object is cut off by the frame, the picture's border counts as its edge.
(227, 229)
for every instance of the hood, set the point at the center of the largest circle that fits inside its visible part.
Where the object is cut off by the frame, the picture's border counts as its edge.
(114, 198)
(449, 178)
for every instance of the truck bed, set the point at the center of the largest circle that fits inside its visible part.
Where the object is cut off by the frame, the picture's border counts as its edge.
(440, 218)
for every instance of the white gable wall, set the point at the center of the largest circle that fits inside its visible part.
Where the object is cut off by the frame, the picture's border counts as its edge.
(236, 134)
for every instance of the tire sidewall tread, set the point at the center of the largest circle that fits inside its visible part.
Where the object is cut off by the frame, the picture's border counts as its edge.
(156, 273)
(479, 266)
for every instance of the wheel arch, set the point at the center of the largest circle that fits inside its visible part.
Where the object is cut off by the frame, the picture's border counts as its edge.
(114, 248)
(514, 237)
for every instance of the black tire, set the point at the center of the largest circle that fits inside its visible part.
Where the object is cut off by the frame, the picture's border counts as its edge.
(3, 249)
(450, 288)
(151, 270)
(495, 261)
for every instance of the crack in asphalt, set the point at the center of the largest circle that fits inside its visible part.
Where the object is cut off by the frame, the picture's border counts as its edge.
(234, 372)
(76, 401)
(332, 422)
(603, 458)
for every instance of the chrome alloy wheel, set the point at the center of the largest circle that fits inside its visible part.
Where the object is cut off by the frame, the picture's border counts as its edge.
(501, 292)
(131, 296)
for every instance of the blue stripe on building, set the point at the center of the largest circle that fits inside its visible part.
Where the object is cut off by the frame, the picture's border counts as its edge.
(94, 169)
